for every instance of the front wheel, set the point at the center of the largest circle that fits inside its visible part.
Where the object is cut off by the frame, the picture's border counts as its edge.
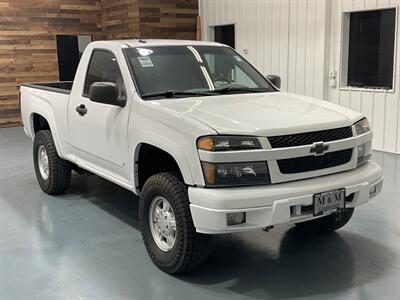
(52, 172)
(328, 223)
(167, 228)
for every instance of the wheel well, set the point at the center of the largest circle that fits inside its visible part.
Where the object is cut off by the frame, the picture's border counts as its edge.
(40, 123)
(152, 160)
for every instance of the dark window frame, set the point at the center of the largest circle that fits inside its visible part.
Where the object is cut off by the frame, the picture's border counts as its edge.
(84, 95)
(345, 45)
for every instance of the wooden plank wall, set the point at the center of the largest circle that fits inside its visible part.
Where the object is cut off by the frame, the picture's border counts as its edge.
(28, 45)
(28, 30)
(120, 19)
(174, 19)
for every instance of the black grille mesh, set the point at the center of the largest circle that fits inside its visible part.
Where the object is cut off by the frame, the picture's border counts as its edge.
(312, 163)
(300, 139)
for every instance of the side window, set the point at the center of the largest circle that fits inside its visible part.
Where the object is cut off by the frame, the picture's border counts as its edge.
(103, 66)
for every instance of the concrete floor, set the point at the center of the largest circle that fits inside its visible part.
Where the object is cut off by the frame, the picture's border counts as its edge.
(86, 244)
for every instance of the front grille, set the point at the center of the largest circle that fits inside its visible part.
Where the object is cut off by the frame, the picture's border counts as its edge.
(312, 163)
(308, 138)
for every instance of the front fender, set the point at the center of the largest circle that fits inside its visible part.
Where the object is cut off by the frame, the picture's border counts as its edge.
(176, 150)
(171, 132)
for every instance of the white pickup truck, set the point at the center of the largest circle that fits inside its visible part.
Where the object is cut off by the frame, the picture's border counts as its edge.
(208, 143)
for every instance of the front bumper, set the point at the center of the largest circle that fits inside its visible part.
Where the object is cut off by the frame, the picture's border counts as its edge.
(278, 203)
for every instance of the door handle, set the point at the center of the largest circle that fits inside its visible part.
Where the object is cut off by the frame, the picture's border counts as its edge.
(81, 110)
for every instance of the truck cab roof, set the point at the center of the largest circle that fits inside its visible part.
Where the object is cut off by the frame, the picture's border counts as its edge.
(154, 42)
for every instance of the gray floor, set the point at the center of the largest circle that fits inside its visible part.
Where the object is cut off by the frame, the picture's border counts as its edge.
(86, 244)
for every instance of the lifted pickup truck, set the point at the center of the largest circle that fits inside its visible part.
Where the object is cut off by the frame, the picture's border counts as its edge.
(208, 143)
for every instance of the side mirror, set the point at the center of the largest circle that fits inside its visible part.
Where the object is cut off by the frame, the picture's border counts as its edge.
(275, 80)
(107, 93)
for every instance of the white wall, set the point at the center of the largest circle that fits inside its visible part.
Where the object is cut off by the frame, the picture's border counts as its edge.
(382, 108)
(300, 41)
(282, 37)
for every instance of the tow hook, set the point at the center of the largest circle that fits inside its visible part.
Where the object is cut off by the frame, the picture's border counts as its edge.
(268, 228)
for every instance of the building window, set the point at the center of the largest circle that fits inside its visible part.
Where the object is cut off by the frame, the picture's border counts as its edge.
(370, 40)
(225, 34)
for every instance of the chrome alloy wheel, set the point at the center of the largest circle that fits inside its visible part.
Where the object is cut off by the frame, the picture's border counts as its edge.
(162, 223)
(43, 162)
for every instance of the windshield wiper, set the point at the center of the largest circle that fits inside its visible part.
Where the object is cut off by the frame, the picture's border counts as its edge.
(232, 89)
(227, 90)
(172, 94)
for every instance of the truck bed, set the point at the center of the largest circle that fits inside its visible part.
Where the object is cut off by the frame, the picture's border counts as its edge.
(63, 87)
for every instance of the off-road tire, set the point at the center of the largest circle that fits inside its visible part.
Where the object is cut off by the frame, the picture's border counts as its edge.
(328, 223)
(191, 249)
(59, 177)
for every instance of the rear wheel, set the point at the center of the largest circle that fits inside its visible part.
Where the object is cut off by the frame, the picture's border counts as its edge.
(167, 228)
(328, 223)
(52, 172)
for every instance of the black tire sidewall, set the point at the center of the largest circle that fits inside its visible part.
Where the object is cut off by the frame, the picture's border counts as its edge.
(40, 141)
(165, 260)
(59, 177)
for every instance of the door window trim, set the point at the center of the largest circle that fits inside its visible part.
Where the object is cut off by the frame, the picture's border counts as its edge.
(83, 94)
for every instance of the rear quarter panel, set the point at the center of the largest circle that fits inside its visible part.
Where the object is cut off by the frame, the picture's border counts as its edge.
(50, 105)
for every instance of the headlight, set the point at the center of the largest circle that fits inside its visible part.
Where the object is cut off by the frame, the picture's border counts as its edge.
(236, 174)
(227, 143)
(362, 126)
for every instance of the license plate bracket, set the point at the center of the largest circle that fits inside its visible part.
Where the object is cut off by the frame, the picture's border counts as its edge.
(328, 202)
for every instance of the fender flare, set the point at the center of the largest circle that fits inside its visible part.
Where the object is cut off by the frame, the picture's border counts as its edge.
(45, 111)
(168, 147)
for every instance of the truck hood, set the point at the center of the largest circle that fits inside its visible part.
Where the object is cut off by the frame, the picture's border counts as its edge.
(265, 114)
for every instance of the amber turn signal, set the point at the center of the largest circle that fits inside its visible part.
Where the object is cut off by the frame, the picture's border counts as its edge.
(227, 143)
(209, 172)
(206, 143)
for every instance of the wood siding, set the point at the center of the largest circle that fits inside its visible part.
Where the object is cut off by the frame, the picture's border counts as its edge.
(28, 51)
(168, 18)
(28, 30)
(120, 19)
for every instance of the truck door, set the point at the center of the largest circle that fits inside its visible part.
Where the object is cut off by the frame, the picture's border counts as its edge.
(99, 131)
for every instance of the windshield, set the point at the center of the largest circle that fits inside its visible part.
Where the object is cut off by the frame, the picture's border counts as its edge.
(192, 70)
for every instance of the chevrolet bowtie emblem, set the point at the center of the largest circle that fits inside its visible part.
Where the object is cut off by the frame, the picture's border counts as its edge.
(319, 148)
